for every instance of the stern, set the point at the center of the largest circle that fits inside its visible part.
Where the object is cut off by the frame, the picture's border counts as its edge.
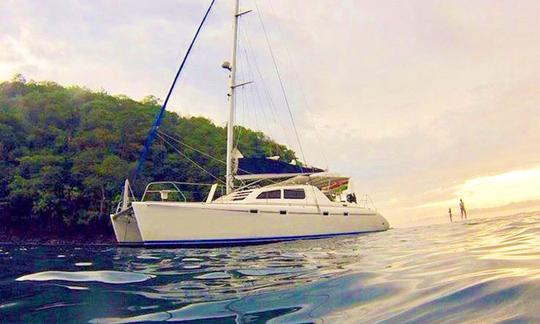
(126, 228)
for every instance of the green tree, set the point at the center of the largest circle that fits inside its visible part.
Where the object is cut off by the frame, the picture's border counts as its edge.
(65, 152)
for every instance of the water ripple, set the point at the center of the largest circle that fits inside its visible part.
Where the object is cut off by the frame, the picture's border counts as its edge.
(486, 270)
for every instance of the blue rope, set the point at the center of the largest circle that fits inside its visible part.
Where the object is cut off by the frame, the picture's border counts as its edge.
(152, 134)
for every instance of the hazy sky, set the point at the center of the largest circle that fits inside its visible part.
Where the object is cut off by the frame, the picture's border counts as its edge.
(422, 102)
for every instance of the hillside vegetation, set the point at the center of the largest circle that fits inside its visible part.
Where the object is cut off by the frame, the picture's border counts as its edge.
(65, 152)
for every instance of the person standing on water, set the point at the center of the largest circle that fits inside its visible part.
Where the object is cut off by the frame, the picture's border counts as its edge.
(450, 214)
(462, 209)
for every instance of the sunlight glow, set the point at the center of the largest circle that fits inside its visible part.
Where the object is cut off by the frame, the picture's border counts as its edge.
(496, 190)
(502, 189)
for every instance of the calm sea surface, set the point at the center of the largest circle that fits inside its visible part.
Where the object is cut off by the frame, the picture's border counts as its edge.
(486, 270)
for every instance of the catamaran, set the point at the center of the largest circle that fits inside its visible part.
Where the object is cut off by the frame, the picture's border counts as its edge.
(277, 201)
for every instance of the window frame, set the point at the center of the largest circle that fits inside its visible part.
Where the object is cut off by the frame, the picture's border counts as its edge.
(265, 194)
(295, 191)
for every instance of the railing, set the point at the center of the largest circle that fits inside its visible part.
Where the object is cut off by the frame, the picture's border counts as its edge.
(179, 191)
(363, 201)
(366, 202)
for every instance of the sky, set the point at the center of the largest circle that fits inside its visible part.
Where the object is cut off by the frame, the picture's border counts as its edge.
(421, 102)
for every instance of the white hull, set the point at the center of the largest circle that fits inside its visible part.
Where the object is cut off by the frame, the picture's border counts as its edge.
(171, 223)
(125, 227)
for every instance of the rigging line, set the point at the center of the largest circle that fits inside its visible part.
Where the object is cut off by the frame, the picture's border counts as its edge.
(256, 97)
(159, 117)
(250, 118)
(251, 109)
(241, 98)
(196, 150)
(191, 147)
(159, 134)
(239, 127)
(265, 88)
(251, 114)
(190, 160)
(281, 84)
(302, 92)
(250, 97)
(241, 94)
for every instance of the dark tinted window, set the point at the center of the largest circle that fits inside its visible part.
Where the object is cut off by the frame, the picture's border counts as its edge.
(274, 194)
(294, 194)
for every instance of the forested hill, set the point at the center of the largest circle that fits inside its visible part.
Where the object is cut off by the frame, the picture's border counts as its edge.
(65, 152)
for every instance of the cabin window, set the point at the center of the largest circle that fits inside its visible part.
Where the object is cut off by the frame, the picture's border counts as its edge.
(294, 194)
(273, 194)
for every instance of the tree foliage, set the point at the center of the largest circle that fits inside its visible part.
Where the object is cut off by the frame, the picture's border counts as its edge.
(65, 152)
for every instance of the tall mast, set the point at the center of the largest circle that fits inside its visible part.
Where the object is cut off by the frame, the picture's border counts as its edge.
(232, 84)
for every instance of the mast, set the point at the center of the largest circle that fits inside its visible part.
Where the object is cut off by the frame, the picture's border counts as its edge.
(229, 177)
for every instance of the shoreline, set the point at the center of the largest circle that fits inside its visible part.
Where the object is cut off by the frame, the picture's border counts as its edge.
(55, 239)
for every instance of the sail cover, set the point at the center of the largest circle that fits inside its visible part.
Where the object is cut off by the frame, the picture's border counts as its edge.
(253, 168)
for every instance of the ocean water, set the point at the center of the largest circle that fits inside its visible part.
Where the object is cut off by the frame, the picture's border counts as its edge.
(483, 270)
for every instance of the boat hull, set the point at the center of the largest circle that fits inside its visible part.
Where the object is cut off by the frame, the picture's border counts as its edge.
(126, 228)
(199, 224)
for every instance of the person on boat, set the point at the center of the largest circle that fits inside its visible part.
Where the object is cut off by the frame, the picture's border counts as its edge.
(462, 209)
(450, 214)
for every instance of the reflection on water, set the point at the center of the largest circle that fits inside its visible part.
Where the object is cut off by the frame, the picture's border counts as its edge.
(112, 277)
(484, 270)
